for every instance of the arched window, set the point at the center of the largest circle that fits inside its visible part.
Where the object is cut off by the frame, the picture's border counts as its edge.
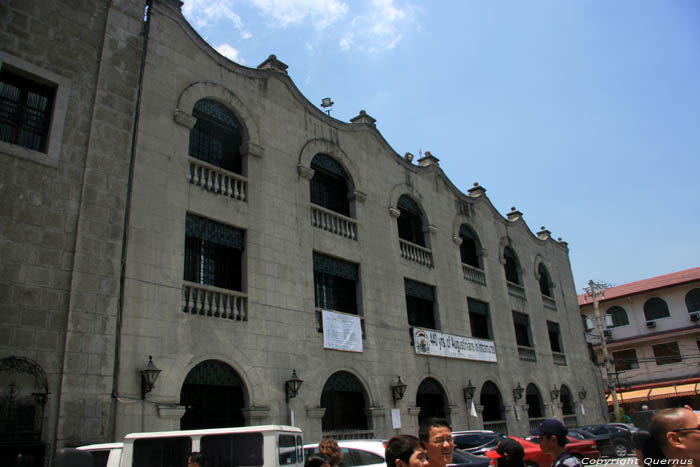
(492, 402)
(619, 316)
(431, 399)
(410, 221)
(213, 394)
(511, 266)
(329, 186)
(545, 280)
(343, 397)
(692, 300)
(567, 402)
(468, 250)
(217, 136)
(533, 399)
(656, 308)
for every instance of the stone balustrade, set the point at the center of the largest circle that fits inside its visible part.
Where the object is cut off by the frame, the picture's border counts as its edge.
(516, 290)
(207, 300)
(527, 354)
(473, 274)
(499, 426)
(217, 180)
(333, 222)
(549, 302)
(417, 253)
(570, 421)
(559, 358)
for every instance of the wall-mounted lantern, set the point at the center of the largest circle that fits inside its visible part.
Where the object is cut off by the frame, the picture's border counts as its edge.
(291, 386)
(149, 375)
(518, 392)
(398, 390)
(554, 393)
(468, 392)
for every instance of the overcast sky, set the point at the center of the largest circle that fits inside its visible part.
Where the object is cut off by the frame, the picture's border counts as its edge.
(583, 114)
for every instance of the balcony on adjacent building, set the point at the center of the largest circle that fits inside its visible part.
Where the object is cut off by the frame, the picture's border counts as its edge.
(207, 300)
(332, 222)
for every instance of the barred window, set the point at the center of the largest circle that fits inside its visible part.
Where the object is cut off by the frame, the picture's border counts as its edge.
(479, 318)
(618, 315)
(420, 304)
(410, 221)
(25, 111)
(216, 137)
(656, 308)
(335, 284)
(213, 253)
(468, 250)
(511, 266)
(554, 337)
(329, 186)
(521, 322)
(625, 360)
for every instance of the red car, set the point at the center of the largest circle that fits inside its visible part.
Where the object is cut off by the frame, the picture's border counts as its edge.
(534, 457)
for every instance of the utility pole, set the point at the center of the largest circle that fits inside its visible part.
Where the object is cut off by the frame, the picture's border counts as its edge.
(595, 290)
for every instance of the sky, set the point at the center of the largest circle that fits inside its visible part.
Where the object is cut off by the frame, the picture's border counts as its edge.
(583, 114)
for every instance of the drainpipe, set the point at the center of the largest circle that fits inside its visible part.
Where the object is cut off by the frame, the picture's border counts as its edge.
(125, 231)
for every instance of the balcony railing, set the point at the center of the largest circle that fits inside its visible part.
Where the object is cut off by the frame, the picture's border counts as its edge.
(350, 434)
(217, 180)
(559, 358)
(206, 300)
(474, 274)
(527, 354)
(499, 426)
(549, 302)
(417, 253)
(516, 290)
(333, 222)
(535, 422)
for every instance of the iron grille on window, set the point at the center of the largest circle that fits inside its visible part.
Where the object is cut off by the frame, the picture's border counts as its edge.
(554, 336)
(329, 187)
(420, 300)
(213, 253)
(344, 401)
(468, 249)
(522, 329)
(511, 267)
(479, 318)
(335, 284)
(410, 221)
(216, 137)
(656, 308)
(25, 111)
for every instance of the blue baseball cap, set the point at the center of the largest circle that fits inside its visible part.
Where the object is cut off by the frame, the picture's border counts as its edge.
(551, 427)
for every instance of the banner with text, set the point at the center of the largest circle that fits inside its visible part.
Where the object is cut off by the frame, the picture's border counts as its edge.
(342, 331)
(427, 342)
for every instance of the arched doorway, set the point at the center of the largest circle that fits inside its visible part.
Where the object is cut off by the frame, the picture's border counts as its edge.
(568, 409)
(213, 395)
(23, 392)
(491, 400)
(535, 406)
(431, 399)
(345, 402)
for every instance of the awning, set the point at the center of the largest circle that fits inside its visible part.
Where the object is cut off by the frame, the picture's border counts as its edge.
(663, 392)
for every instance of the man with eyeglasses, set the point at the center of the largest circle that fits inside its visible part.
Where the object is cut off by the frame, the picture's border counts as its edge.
(436, 436)
(677, 432)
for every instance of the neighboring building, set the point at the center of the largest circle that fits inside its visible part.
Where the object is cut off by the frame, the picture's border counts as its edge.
(653, 339)
(160, 200)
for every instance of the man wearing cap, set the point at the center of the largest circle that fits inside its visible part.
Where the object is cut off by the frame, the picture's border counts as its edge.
(508, 453)
(552, 434)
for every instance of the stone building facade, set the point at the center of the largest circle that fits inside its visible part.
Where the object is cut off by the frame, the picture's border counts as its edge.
(160, 200)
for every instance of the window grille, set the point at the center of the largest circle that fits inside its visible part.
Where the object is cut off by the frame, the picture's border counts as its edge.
(335, 284)
(656, 308)
(420, 304)
(619, 316)
(410, 222)
(213, 373)
(344, 400)
(625, 360)
(522, 329)
(667, 353)
(216, 137)
(213, 253)
(479, 318)
(329, 187)
(511, 267)
(554, 336)
(468, 248)
(25, 111)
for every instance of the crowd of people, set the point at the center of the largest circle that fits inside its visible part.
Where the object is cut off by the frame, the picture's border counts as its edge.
(673, 439)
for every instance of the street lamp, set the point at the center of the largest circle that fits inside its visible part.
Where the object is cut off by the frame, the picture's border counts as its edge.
(582, 393)
(554, 393)
(398, 390)
(468, 392)
(518, 392)
(292, 386)
(149, 375)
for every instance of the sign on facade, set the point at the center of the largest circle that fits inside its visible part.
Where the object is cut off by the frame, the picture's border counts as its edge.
(342, 332)
(428, 342)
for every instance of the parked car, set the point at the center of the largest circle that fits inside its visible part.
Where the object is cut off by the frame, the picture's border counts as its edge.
(625, 426)
(620, 437)
(603, 442)
(370, 453)
(476, 441)
(105, 454)
(582, 449)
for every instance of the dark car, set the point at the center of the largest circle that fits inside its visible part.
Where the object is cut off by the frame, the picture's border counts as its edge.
(620, 437)
(460, 458)
(477, 441)
(602, 442)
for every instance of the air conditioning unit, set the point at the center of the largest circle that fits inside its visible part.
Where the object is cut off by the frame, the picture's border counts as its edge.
(651, 324)
(590, 324)
(694, 316)
(608, 321)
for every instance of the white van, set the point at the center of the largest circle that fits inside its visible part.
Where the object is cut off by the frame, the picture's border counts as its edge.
(250, 446)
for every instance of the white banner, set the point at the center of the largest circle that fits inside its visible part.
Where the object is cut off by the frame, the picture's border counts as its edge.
(427, 342)
(342, 331)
